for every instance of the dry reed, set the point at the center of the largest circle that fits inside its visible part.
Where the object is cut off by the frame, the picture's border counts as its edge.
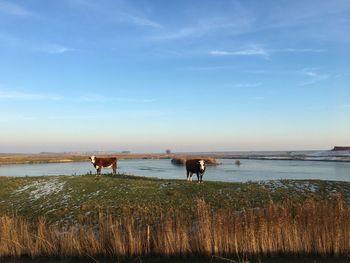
(314, 227)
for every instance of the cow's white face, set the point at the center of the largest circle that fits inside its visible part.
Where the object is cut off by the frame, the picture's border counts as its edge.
(201, 165)
(93, 159)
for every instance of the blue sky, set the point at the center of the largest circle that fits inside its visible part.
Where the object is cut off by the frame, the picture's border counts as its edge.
(186, 75)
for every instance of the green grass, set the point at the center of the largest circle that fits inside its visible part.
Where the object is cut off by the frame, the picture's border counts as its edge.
(69, 199)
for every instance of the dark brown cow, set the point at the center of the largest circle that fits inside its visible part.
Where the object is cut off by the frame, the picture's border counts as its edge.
(104, 162)
(195, 166)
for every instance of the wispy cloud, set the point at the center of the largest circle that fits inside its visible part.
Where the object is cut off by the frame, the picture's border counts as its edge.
(119, 13)
(302, 50)
(14, 9)
(18, 95)
(53, 49)
(209, 20)
(181, 33)
(240, 19)
(25, 44)
(136, 20)
(313, 77)
(260, 51)
(253, 51)
(198, 30)
(205, 27)
(141, 21)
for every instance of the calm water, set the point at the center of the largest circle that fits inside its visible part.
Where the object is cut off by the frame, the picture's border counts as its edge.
(249, 170)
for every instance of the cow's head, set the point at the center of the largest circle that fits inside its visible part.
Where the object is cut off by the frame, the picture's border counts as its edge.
(201, 166)
(93, 159)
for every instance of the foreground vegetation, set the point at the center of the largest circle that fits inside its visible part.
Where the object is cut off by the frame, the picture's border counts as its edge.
(313, 228)
(134, 216)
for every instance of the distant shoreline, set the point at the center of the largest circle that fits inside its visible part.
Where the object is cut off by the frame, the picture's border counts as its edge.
(347, 159)
(68, 158)
(325, 156)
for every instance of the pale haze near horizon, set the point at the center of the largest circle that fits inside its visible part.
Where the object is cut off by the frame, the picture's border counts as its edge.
(145, 76)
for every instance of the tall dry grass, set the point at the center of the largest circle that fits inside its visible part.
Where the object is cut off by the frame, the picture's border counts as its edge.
(314, 227)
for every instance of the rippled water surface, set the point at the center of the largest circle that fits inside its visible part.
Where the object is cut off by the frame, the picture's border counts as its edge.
(249, 170)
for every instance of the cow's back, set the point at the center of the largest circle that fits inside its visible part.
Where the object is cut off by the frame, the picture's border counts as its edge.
(104, 161)
(192, 165)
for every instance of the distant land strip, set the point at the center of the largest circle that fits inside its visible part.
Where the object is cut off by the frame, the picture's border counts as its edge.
(330, 155)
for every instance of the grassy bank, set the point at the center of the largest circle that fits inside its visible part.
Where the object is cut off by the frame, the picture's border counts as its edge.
(68, 198)
(130, 216)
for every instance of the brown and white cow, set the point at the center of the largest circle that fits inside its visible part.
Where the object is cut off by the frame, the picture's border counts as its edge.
(195, 166)
(104, 162)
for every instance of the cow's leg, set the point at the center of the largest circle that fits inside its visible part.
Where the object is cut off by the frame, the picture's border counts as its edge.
(189, 176)
(99, 171)
(197, 173)
(114, 169)
(201, 178)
